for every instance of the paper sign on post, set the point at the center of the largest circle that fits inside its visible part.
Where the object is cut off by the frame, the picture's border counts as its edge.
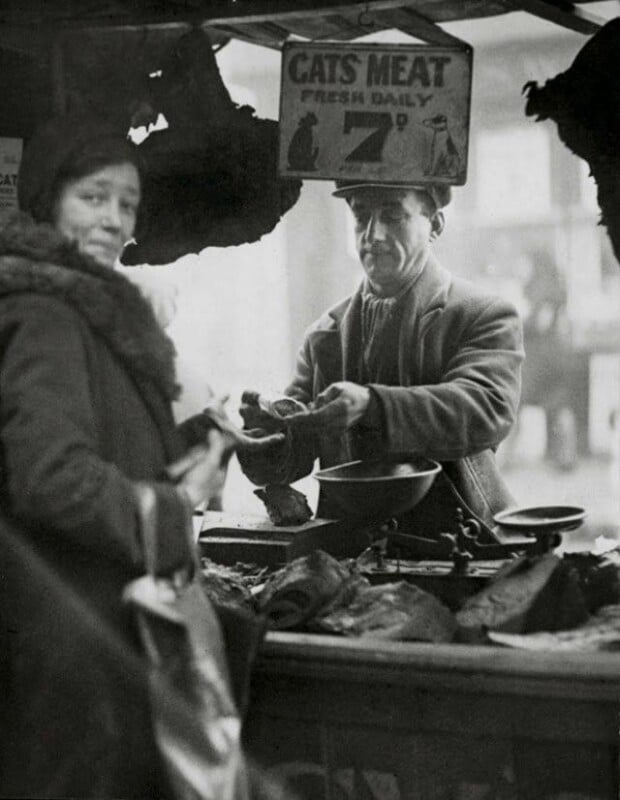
(393, 113)
(10, 158)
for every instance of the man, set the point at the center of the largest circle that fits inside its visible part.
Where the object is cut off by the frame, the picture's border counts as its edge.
(415, 361)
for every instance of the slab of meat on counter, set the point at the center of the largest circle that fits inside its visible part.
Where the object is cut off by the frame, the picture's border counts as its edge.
(299, 590)
(392, 611)
(598, 577)
(231, 586)
(321, 594)
(330, 596)
(600, 632)
(531, 594)
(285, 505)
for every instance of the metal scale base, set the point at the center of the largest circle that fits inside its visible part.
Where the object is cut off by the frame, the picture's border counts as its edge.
(227, 539)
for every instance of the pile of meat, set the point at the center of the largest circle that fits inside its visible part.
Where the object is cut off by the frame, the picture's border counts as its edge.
(319, 593)
(322, 594)
(530, 594)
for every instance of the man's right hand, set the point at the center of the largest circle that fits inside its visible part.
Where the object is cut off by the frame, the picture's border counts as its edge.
(255, 418)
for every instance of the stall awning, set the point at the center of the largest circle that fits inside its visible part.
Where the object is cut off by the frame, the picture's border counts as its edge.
(25, 24)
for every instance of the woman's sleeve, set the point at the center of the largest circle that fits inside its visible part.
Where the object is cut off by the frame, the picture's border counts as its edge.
(53, 475)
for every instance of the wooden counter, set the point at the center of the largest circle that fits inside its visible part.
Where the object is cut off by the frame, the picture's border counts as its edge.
(345, 718)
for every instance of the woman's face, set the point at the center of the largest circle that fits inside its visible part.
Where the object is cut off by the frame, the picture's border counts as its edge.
(98, 211)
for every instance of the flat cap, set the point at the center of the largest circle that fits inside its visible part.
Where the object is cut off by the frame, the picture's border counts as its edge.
(439, 193)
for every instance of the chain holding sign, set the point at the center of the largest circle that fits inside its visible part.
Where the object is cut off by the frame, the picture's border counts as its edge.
(391, 113)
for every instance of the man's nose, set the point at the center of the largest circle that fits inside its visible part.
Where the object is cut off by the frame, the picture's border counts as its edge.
(375, 229)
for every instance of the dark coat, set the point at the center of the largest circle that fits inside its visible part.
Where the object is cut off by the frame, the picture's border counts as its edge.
(86, 380)
(458, 359)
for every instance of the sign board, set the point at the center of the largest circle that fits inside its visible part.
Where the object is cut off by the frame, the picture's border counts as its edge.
(393, 113)
(10, 158)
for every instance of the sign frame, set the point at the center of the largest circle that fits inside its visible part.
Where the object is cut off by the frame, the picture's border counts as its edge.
(436, 155)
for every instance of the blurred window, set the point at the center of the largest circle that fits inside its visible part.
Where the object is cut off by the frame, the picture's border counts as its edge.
(513, 174)
(587, 189)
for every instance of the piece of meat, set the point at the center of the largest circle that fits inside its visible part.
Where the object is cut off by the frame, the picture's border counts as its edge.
(398, 611)
(285, 505)
(598, 578)
(281, 406)
(600, 632)
(300, 589)
(225, 587)
(346, 594)
(533, 594)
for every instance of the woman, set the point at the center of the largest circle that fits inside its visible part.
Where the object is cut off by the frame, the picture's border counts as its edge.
(86, 382)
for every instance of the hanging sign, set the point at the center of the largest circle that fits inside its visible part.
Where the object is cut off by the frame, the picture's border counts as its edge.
(10, 158)
(393, 113)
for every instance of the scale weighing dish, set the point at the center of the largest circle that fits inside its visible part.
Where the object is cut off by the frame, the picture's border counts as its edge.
(541, 519)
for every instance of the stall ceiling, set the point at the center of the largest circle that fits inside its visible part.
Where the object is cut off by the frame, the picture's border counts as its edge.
(27, 24)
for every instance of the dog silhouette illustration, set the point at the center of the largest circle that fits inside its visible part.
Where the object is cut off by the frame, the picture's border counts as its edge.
(302, 152)
(444, 159)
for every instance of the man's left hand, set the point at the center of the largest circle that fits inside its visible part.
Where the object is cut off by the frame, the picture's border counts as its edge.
(341, 406)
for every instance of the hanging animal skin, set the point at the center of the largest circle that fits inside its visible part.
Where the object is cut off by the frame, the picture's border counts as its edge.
(584, 101)
(211, 176)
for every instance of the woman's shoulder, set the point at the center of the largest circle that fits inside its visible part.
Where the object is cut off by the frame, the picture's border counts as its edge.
(32, 305)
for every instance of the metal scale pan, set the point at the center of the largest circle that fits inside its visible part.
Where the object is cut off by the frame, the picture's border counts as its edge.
(545, 523)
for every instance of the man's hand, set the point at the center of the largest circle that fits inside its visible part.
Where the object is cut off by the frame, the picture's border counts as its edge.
(255, 417)
(341, 406)
(257, 441)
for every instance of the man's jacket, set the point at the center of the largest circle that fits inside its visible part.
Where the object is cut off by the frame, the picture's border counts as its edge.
(458, 355)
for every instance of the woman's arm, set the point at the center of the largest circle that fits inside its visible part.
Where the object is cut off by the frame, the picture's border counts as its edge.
(53, 473)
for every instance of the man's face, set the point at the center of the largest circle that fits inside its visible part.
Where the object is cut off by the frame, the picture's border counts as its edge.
(393, 231)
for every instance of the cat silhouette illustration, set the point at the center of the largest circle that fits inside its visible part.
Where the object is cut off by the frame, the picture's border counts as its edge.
(302, 152)
(444, 158)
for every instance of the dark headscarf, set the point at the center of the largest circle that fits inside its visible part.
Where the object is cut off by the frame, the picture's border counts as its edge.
(67, 148)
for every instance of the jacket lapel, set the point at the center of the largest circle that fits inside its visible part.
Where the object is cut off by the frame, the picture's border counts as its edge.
(338, 350)
(424, 305)
(351, 339)
(337, 347)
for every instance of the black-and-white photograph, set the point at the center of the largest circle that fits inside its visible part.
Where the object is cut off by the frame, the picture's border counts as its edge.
(310, 399)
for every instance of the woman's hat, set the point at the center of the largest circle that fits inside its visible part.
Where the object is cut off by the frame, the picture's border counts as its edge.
(67, 147)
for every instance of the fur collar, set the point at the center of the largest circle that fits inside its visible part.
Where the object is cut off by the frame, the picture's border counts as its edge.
(35, 258)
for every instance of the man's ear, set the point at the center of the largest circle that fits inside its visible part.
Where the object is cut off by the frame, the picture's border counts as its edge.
(437, 224)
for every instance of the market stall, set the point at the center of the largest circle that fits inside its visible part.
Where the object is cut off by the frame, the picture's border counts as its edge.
(336, 717)
(519, 715)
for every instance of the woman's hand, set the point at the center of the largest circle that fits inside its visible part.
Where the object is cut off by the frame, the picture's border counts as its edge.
(214, 416)
(258, 440)
(201, 473)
